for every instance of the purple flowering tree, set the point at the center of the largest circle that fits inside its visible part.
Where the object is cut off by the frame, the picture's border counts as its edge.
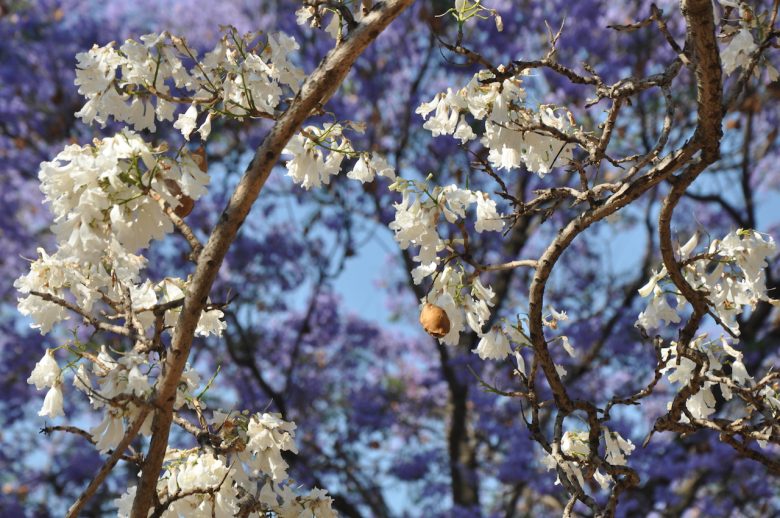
(393, 423)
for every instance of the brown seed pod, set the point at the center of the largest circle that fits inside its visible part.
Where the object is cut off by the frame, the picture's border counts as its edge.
(186, 203)
(434, 320)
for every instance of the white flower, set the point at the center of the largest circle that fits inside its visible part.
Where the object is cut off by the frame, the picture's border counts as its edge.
(95, 72)
(269, 435)
(210, 323)
(304, 14)
(738, 51)
(205, 128)
(108, 434)
(47, 274)
(575, 444)
(81, 380)
(105, 364)
(334, 26)
(425, 108)
(480, 96)
(647, 289)
(52, 403)
(137, 382)
(739, 373)
(689, 246)
(140, 115)
(510, 145)
(319, 504)
(124, 503)
(454, 201)
(463, 131)
(477, 313)
(701, 404)
(46, 372)
(488, 217)
(361, 171)
(568, 347)
(164, 110)
(678, 371)
(658, 310)
(445, 120)
(520, 362)
(415, 224)
(494, 345)
(548, 461)
(96, 206)
(422, 271)
(381, 166)
(187, 121)
(771, 398)
(602, 479)
(482, 292)
(308, 166)
(617, 448)
(190, 380)
(751, 253)
(191, 473)
(143, 297)
(728, 349)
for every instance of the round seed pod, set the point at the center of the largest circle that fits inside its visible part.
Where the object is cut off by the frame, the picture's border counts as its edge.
(186, 203)
(434, 320)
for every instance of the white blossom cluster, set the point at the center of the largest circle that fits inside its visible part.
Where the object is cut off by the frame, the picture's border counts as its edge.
(107, 201)
(513, 134)
(196, 484)
(575, 444)
(419, 212)
(253, 475)
(318, 153)
(467, 305)
(145, 81)
(110, 379)
(417, 217)
(467, 302)
(730, 272)
(47, 374)
(110, 200)
(114, 386)
(682, 370)
(702, 404)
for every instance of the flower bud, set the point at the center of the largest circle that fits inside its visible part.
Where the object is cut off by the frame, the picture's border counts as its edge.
(499, 23)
